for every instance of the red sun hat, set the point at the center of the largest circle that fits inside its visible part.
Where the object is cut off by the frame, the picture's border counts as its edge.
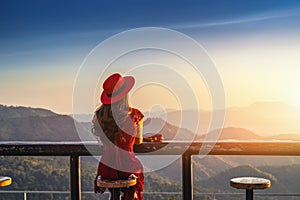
(115, 87)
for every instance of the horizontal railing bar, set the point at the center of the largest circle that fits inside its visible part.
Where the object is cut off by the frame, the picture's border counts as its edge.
(148, 193)
(276, 148)
(34, 192)
(256, 194)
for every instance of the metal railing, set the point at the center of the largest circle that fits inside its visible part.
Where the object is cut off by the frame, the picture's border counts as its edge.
(75, 150)
(25, 193)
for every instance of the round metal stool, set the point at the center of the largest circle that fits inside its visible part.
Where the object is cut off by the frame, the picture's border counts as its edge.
(116, 185)
(250, 183)
(5, 181)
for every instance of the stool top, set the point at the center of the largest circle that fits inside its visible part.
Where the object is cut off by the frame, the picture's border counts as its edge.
(250, 183)
(5, 181)
(116, 183)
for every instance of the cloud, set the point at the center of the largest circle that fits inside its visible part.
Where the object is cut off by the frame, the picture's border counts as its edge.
(242, 20)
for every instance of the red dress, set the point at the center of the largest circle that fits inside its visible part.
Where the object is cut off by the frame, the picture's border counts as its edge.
(118, 160)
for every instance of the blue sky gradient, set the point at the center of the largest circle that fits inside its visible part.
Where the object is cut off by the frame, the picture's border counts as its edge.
(55, 24)
(47, 40)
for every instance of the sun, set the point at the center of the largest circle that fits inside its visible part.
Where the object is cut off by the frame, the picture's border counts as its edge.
(293, 96)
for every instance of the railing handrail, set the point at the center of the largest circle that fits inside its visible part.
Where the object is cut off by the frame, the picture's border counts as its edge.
(276, 148)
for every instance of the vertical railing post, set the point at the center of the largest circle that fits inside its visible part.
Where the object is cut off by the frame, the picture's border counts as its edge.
(187, 176)
(75, 177)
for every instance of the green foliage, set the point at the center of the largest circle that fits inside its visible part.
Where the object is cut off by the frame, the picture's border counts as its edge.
(52, 174)
(36, 173)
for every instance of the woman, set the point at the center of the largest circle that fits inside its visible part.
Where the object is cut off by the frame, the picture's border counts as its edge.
(119, 128)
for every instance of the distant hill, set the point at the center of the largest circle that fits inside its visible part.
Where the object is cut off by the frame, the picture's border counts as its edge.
(169, 131)
(21, 111)
(283, 179)
(283, 137)
(36, 124)
(234, 133)
(210, 166)
(265, 118)
(203, 168)
(231, 133)
(35, 128)
(220, 182)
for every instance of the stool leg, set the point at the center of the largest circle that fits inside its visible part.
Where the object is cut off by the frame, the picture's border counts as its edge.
(116, 194)
(249, 194)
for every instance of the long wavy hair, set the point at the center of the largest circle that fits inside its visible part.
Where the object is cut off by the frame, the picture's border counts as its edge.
(110, 117)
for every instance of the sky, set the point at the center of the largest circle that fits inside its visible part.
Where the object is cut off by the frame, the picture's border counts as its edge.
(255, 46)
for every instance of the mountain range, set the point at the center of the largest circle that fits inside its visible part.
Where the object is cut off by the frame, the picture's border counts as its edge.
(264, 118)
(37, 124)
(172, 132)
